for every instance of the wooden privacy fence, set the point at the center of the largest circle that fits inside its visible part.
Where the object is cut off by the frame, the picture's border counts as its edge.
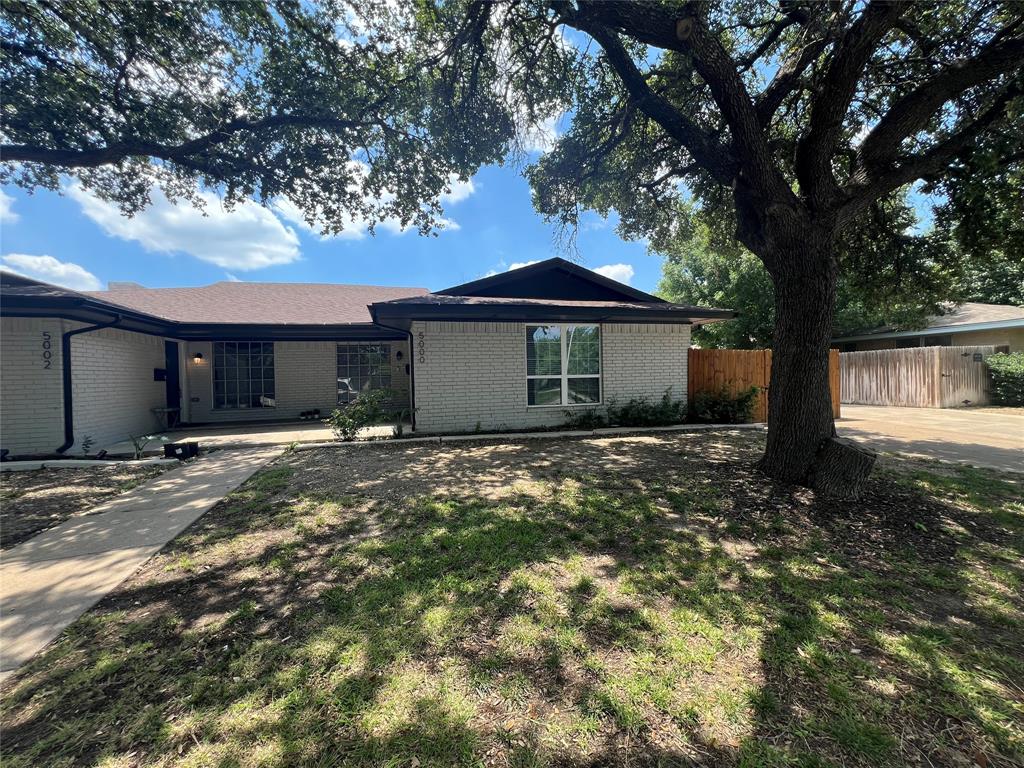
(739, 369)
(920, 377)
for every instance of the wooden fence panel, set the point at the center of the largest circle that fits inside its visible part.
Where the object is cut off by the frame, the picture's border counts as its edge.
(738, 369)
(916, 377)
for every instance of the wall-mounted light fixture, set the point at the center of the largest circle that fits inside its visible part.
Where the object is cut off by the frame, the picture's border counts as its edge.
(399, 355)
(198, 359)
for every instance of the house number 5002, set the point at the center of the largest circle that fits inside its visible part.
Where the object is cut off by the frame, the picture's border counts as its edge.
(47, 354)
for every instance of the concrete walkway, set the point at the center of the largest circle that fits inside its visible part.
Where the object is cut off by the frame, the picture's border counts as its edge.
(53, 578)
(985, 437)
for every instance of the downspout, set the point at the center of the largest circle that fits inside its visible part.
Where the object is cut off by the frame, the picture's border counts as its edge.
(412, 370)
(65, 355)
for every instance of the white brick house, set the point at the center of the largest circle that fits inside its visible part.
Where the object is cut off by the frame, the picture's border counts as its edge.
(513, 351)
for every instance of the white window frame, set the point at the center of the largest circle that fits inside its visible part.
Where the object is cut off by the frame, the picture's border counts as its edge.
(564, 329)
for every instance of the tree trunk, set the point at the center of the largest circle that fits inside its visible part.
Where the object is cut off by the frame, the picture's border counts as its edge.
(799, 398)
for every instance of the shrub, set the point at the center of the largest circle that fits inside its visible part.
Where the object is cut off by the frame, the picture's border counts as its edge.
(584, 419)
(722, 407)
(368, 408)
(1007, 377)
(640, 412)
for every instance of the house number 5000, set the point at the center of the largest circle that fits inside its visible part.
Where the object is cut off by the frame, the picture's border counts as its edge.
(47, 354)
(421, 348)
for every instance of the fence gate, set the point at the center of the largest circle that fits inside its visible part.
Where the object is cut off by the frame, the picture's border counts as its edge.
(920, 377)
(738, 369)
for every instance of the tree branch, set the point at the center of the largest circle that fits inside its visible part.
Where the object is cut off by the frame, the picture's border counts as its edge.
(714, 157)
(815, 149)
(115, 153)
(863, 189)
(912, 112)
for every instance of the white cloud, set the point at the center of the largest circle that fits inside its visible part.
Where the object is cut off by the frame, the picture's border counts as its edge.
(521, 264)
(356, 228)
(621, 272)
(51, 270)
(543, 136)
(243, 238)
(7, 214)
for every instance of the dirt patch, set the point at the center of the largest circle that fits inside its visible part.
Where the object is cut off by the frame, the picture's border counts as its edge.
(33, 501)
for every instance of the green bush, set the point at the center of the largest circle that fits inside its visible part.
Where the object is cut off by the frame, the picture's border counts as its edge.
(1007, 377)
(722, 407)
(640, 412)
(584, 419)
(368, 408)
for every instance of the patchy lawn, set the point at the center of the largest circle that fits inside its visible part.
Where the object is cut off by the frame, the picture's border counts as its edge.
(643, 600)
(33, 501)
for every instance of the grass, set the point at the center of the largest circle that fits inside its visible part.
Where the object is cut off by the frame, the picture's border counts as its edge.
(672, 609)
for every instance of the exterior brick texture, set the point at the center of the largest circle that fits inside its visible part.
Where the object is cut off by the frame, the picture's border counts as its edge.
(305, 378)
(31, 395)
(113, 387)
(473, 375)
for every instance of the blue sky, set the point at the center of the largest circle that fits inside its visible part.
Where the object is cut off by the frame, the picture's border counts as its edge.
(87, 243)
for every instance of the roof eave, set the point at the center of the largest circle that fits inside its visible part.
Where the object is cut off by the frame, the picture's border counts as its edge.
(387, 313)
(937, 330)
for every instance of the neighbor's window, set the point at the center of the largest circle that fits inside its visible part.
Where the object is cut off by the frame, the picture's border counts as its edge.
(563, 364)
(361, 368)
(243, 374)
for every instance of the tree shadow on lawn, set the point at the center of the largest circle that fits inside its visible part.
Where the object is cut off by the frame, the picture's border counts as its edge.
(668, 608)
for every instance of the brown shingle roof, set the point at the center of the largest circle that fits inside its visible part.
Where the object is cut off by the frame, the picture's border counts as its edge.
(971, 312)
(257, 303)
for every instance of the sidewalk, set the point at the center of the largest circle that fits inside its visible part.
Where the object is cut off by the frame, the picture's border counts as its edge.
(53, 578)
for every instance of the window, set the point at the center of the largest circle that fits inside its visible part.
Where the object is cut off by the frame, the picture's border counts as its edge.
(361, 368)
(563, 364)
(243, 374)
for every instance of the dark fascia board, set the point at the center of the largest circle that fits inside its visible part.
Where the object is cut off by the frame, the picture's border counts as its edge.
(544, 266)
(239, 332)
(89, 311)
(389, 313)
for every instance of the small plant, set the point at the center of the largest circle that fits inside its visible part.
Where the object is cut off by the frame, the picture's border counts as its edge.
(368, 408)
(86, 445)
(404, 414)
(722, 407)
(1007, 377)
(139, 443)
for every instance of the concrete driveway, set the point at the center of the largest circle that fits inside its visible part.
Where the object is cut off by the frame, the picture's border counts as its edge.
(985, 437)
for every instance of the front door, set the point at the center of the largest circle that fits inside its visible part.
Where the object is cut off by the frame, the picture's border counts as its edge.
(171, 364)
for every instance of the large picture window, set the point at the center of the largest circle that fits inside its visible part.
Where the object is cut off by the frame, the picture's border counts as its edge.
(243, 374)
(361, 368)
(563, 364)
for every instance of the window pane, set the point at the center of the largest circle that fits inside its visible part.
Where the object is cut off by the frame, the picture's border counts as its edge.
(543, 350)
(583, 345)
(243, 373)
(543, 391)
(584, 390)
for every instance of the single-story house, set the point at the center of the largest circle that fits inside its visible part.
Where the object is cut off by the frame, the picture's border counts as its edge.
(511, 351)
(968, 324)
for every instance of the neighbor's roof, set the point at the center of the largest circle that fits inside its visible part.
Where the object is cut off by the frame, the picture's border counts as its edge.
(968, 316)
(256, 303)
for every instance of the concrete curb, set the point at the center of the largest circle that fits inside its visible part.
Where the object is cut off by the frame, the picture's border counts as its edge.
(23, 466)
(604, 432)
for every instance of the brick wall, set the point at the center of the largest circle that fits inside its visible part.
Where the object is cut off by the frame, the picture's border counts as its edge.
(474, 374)
(305, 377)
(31, 394)
(113, 386)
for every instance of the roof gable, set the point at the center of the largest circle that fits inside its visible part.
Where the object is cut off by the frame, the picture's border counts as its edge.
(551, 279)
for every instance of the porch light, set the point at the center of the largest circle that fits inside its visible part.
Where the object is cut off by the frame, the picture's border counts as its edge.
(198, 358)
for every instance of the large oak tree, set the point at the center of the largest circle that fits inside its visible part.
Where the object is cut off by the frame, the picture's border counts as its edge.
(800, 118)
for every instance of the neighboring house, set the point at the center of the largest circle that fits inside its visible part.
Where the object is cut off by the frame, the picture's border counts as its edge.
(968, 324)
(511, 351)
